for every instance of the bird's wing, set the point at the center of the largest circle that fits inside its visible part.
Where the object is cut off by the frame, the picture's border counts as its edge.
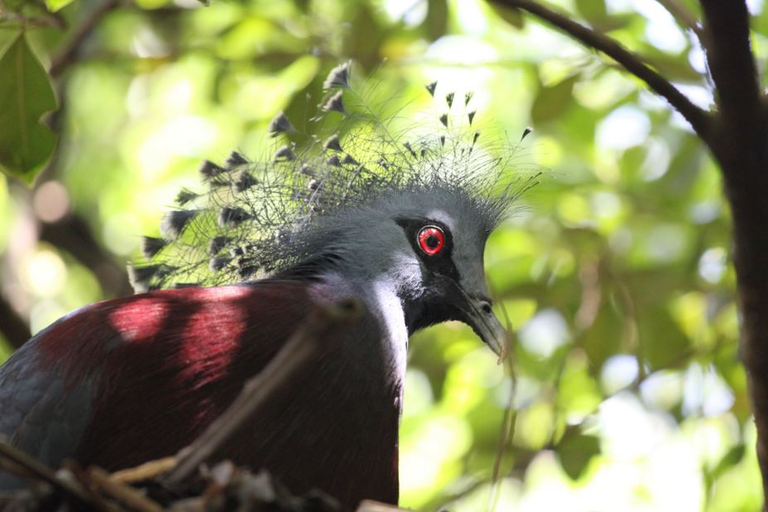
(38, 412)
(143, 373)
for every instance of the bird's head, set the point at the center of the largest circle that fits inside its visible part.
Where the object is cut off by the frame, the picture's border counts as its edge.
(409, 216)
(425, 244)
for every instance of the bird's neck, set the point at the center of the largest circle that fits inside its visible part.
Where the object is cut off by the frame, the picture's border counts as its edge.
(386, 309)
(420, 313)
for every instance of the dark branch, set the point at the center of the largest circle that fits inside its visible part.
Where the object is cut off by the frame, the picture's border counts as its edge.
(69, 53)
(742, 126)
(699, 118)
(73, 234)
(134, 498)
(303, 346)
(31, 467)
(13, 327)
(731, 63)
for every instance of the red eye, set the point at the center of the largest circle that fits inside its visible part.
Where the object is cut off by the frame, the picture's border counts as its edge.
(431, 240)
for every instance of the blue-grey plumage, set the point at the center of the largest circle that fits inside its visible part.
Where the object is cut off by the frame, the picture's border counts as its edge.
(38, 413)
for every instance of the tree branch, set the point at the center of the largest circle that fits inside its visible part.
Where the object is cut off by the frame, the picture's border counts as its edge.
(739, 145)
(74, 235)
(731, 63)
(697, 117)
(69, 54)
(14, 328)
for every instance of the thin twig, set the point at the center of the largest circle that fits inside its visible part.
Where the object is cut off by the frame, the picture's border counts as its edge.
(34, 468)
(699, 118)
(88, 486)
(134, 498)
(146, 471)
(308, 341)
(62, 60)
(509, 420)
(13, 21)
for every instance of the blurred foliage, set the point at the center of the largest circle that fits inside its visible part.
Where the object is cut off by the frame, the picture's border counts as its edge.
(615, 272)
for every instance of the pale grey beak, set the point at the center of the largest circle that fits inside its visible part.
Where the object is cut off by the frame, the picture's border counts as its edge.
(485, 324)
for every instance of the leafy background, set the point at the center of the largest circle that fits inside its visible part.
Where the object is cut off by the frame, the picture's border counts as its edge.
(627, 390)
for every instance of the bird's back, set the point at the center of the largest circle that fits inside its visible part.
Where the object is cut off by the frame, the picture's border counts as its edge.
(130, 380)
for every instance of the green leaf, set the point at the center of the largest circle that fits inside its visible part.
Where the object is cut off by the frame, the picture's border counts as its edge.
(26, 94)
(604, 337)
(575, 450)
(511, 15)
(662, 342)
(592, 10)
(731, 458)
(672, 66)
(57, 5)
(552, 102)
